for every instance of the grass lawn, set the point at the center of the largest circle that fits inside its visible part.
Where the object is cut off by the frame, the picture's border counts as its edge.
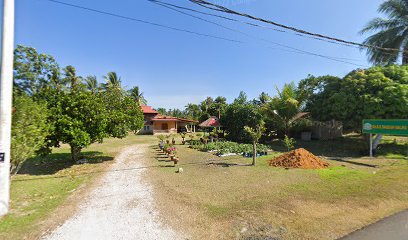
(226, 201)
(46, 183)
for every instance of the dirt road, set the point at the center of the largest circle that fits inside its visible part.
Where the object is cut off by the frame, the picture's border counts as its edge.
(120, 207)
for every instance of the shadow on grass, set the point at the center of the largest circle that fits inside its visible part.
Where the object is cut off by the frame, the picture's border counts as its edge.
(355, 163)
(52, 163)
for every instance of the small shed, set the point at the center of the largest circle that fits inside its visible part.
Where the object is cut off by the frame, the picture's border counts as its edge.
(211, 123)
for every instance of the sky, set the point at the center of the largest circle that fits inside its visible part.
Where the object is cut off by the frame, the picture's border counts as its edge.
(174, 68)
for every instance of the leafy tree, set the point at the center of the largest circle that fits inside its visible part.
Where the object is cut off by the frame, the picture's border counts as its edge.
(206, 104)
(240, 114)
(391, 32)
(218, 107)
(255, 134)
(29, 129)
(123, 114)
(193, 111)
(79, 118)
(377, 92)
(32, 70)
(137, 95)
(162, 111)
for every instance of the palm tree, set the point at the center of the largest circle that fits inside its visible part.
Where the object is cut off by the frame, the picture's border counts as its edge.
(391, 32)
(112, 81)
(137, 95)
(71, 77)
(91, 84)
(285, 107)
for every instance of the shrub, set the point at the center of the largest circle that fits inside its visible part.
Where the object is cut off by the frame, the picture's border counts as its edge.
(29, 130)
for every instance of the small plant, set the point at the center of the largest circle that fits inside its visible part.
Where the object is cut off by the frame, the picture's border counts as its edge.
(289, 143)
(205, 139)
(183, 137)
(161, 137)
(173, 140)
(168, 139)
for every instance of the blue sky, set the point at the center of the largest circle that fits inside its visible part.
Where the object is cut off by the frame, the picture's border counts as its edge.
(174, 68)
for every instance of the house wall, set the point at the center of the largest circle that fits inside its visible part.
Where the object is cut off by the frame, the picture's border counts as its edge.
(148, 124)
(158, 127)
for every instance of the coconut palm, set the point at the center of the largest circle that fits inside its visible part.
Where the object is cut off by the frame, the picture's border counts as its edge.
(91, 84)
(391, 32)
(112, 81)
(285, 107)
(71, 78)
(137, 95)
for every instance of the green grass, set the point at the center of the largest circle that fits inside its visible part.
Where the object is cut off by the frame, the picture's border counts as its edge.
(216, 200)
(44, 183)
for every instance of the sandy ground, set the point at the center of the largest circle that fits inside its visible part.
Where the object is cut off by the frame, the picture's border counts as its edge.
(120, 207)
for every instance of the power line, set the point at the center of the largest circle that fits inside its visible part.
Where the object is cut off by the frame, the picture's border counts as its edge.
(292, 49)
(189, 31)
(220, 8)
(142, 21)
(252, 24)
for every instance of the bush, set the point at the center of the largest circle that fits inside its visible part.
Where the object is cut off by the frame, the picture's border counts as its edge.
(29, 130)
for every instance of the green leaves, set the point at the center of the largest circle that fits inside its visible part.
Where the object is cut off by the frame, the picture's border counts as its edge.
(377, 92)
(29, 129)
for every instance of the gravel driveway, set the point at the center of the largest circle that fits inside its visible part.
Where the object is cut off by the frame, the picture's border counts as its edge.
(121, 207)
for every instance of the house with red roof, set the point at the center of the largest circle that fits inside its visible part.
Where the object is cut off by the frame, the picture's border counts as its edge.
(154, 123)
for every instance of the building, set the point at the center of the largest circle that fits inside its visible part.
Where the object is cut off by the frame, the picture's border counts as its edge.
(149, 113)
(154, 123)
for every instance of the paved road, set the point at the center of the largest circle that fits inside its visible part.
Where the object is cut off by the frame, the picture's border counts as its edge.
(121, 207)
(394, 227)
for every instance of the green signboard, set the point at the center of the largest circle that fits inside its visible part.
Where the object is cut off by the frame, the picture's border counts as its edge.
(390, 127)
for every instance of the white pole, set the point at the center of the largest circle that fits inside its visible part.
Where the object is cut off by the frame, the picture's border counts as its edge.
(6, 90)
(371, 145)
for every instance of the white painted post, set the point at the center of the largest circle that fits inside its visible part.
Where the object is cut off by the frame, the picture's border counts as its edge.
(6, 90)
(371, 145)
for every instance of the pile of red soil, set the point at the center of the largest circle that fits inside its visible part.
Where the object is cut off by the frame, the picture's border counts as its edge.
(299, 158)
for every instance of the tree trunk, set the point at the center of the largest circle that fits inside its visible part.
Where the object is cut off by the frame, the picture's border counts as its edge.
(254, 153)
(75, 153)
(405, 56)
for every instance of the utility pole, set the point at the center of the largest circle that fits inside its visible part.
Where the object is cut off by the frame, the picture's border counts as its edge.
(6, 92)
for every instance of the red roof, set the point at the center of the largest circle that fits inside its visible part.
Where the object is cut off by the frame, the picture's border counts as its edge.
(148, 110)
(170, 118)
(211, 122)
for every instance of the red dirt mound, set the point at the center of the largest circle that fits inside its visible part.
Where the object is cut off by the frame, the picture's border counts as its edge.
(299, 158)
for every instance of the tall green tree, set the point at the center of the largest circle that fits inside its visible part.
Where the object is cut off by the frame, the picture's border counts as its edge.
(113, 81)
(33, 70)
(193, 110)
(239, 114)
(70, 77)
(137, 95)
(92, 84)
(390, 32)
(284, 108)
(218, 107)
